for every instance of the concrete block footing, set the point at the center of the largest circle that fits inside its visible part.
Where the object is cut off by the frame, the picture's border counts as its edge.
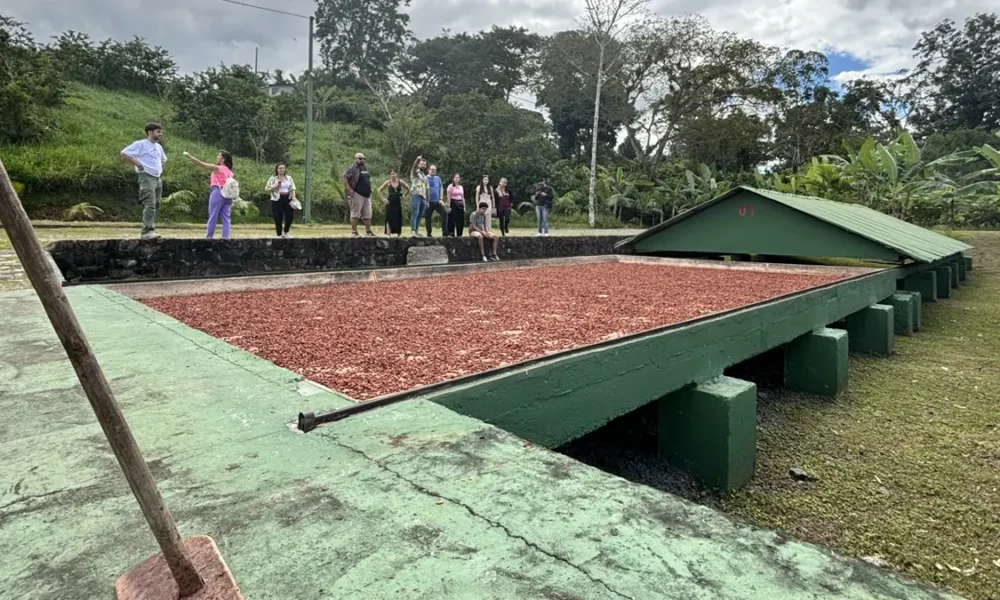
(902, 312)
(872, 330)
(963, 269)
(710, 430)
(915, 308)
(968, 262)
(943, 281)
(956, 277)
(816, 363)
(924, 282)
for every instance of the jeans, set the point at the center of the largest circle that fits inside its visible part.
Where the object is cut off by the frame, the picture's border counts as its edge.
(504, 221)
(542, 212)
(456, 219)
(281, 210)
(416, 210)
(439, 208)
(218, 207)
(150, 194)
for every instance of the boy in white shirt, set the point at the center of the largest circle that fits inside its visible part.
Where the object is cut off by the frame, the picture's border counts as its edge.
(148, 157)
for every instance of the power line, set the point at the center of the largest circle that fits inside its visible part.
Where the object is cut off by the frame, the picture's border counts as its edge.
(274, 10)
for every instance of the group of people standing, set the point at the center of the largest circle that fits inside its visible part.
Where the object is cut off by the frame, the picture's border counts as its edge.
(429, 196)
(148, 158)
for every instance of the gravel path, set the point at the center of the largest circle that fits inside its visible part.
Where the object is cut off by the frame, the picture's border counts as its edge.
(371, 339)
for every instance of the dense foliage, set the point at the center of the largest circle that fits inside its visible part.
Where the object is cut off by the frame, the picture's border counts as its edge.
(686, 112)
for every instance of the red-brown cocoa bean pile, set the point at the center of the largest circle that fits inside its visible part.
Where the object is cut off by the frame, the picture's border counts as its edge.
(375, 338)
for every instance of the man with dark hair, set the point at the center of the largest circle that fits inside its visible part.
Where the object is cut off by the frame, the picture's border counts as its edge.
(358, 194)
(477, 229)
(434, 203)
(148, 157)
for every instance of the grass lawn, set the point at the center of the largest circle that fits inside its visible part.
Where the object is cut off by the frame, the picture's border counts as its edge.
(908, 460)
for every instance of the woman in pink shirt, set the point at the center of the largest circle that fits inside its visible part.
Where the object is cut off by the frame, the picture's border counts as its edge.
(217, 205)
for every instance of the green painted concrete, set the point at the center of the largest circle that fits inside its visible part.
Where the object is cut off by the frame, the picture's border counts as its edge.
(871, 330)
(916, 308)
(710, 431)
(816, 363)
(772, 228)
(902, 312)
(956, 277)
(924, 283)
(410, 501)
(943, 281)
(962, 269)
(561, 399)
(968, 263)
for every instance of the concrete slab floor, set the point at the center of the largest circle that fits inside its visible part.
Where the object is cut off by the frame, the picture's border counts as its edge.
(410, 501)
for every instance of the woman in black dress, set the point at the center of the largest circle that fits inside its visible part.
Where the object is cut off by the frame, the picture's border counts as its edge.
(394, 203)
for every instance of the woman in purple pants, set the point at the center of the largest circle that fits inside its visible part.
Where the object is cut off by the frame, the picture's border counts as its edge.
(217, 205)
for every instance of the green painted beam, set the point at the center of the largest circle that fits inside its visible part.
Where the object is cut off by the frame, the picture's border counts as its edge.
(563, 398)
(943, 281)
(871, 330)
(923, 283)
(710, 431)
(816, 363)
(902, 312)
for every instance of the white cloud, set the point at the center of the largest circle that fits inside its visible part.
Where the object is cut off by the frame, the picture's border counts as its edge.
(200, 33)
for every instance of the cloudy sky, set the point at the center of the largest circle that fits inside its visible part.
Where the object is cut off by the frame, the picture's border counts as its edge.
(860, 36)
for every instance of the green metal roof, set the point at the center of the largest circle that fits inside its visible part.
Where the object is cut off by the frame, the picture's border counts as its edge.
(907, 240)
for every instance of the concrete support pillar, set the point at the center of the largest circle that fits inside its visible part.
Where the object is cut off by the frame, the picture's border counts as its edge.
(955, 276)
(924, 282)
(710, 430)
(962, 269)
(943, 281)
(915, 308)
(816, 363)
(902, 313)
(872, 330)
(968, 262)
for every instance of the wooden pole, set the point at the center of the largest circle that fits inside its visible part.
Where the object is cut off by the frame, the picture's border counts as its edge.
(102, 399)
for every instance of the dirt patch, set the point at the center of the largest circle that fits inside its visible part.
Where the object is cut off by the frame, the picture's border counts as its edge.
(374, 338)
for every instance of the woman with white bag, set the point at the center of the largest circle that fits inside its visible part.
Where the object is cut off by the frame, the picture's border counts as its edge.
(283, 201)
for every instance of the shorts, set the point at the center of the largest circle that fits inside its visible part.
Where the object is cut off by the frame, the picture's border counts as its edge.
(361, 207)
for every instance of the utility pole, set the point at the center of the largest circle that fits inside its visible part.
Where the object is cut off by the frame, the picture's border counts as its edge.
(256, 51)
(307, 209)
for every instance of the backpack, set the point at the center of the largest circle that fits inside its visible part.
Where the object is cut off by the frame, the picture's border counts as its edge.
(231, 190)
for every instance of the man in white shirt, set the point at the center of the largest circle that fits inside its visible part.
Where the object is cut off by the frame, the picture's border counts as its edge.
(148, 157)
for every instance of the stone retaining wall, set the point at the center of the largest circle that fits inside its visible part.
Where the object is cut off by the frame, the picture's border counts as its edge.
(85, 261)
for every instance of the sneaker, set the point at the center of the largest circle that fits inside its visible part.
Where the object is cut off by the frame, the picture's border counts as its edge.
(495, 258)
(485, 259)
(546, 234)
(354, 234)
(539, 234)
(152, 235)
(287, 236)
(369, 234)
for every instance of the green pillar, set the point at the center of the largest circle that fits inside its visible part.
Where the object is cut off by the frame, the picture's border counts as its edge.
(955, 279)
(943, 281)
(962, 268)
(710, 430)
(816, 363)
(924, 283)
(968, 262)
(915, 307)
(902, 312)
(871, 330)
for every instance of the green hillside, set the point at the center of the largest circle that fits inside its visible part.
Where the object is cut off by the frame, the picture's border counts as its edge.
(79, 162)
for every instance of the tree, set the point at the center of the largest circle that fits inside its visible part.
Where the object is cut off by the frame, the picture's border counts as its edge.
(228, 107)
(605, 22)
(363, 40)
(565, 84)
(681, 68)
(956, 83)
(30, 85)
(133, 65)
(730, 143)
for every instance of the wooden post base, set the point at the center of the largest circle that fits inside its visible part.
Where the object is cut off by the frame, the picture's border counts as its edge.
(151, 579)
